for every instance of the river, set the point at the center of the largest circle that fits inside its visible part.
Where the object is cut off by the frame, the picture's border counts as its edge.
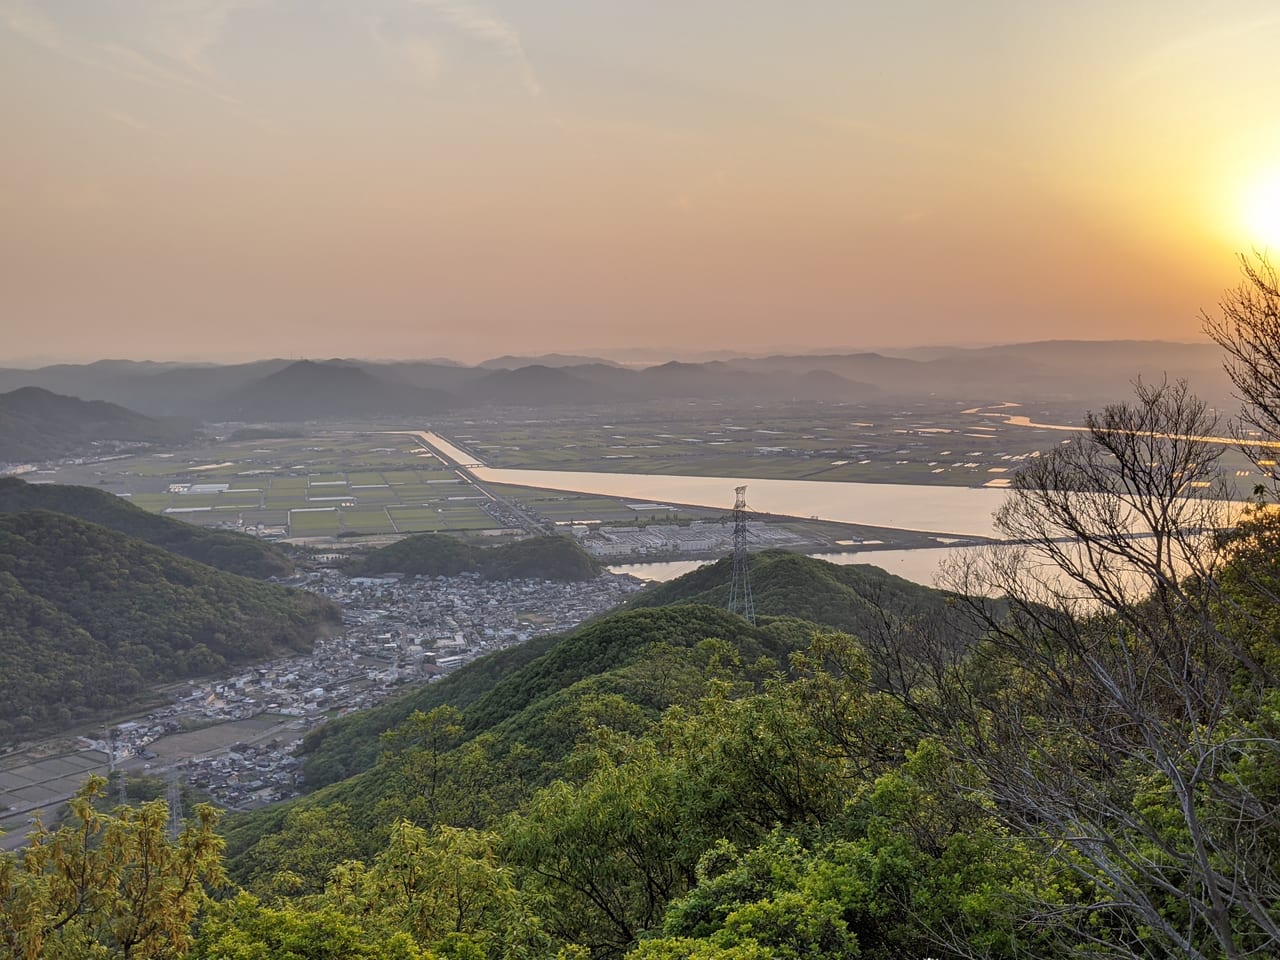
(957, 511)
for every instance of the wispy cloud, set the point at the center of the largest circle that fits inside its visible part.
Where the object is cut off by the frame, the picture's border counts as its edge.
(488, 28)
(163, 43)
(414, 50)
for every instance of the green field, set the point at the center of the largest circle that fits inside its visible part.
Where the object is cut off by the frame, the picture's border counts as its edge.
(271, 483)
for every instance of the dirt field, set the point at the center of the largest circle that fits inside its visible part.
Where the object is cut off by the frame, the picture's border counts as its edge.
(198, 743)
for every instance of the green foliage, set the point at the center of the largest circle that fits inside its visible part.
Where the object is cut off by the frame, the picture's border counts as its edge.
(448, 889)
(233, 552)
(439, 555)
(854, 598)
(609, 854)
(500, 687)
(345, 747)
(108, 885)
(302, 853)
(91, 619)
(623, 669)
(243, 929)
(1251, 586)
(611, 848)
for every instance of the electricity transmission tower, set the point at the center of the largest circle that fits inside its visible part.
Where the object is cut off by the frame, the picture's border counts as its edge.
(740, 588)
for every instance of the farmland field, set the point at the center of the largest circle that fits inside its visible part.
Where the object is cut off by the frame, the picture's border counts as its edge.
(361, 482)
(318, 486)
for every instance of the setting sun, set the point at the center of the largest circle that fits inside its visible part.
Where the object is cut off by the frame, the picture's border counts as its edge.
(1262, 213)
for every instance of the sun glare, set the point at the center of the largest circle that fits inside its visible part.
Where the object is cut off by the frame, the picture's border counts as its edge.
(1262, 213)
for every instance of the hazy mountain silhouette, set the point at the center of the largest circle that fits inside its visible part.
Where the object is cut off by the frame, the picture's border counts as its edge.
(1088, 373)
(37, 424)
(310, 390)
(537, 386)
(509, 362)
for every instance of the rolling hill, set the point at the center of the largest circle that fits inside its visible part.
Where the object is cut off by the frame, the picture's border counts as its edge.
(520, 711)
(232, 552)
(854, 598)
(307, 390)
(37, 424)
(439, 555)
(90, 619)
(794, 595)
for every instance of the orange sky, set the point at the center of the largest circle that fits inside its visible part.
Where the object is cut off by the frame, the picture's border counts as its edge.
(226, 179)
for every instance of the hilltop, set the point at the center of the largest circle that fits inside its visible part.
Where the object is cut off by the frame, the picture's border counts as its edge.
(522, 708)
(854, 598)
(309, 390)
(37, 424)
(90, 619)
(794, 595)
(438, 555)
(232, 552)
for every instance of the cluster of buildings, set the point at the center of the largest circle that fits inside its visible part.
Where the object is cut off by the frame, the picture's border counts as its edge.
(235, 737)
(247, 776)
(699, 538)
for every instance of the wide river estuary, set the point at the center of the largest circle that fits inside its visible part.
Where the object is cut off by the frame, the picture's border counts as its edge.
(952, 511)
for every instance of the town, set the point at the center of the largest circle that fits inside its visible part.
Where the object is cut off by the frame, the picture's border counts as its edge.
(233, 738)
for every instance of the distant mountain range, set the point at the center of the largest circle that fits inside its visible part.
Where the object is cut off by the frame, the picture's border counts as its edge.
(307, 390)
(1087, 372)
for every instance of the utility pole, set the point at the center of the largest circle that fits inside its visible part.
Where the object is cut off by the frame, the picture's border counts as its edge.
(175, 806)
(740, 588)
(121, 786)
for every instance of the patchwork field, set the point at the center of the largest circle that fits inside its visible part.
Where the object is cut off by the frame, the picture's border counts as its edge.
(328, 485)
(357, 482)
(933, 443)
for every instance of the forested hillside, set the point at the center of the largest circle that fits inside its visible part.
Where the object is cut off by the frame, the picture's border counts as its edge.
(37, 424)
(857, 598)
(493, 688)
(90, 618)
(889, 613)
(438, 555)
(233, 552)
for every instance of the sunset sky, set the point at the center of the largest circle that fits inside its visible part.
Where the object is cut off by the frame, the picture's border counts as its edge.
(230, 179)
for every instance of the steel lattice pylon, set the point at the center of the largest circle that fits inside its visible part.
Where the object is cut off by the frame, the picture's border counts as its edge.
(740, 588)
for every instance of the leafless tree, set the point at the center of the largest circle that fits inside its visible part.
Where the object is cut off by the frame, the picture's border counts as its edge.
(1248, 331)
(1115, 711)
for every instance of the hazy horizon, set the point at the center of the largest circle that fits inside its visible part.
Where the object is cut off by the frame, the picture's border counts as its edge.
(222, 180)
(624, 355)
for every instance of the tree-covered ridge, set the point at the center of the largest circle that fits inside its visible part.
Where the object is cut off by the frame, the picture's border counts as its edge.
(90, 618)
(463, 765)
(233, 552)
(889, 613)
(855, 598)
(36, 424)
(438, 555)
(530, 696)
